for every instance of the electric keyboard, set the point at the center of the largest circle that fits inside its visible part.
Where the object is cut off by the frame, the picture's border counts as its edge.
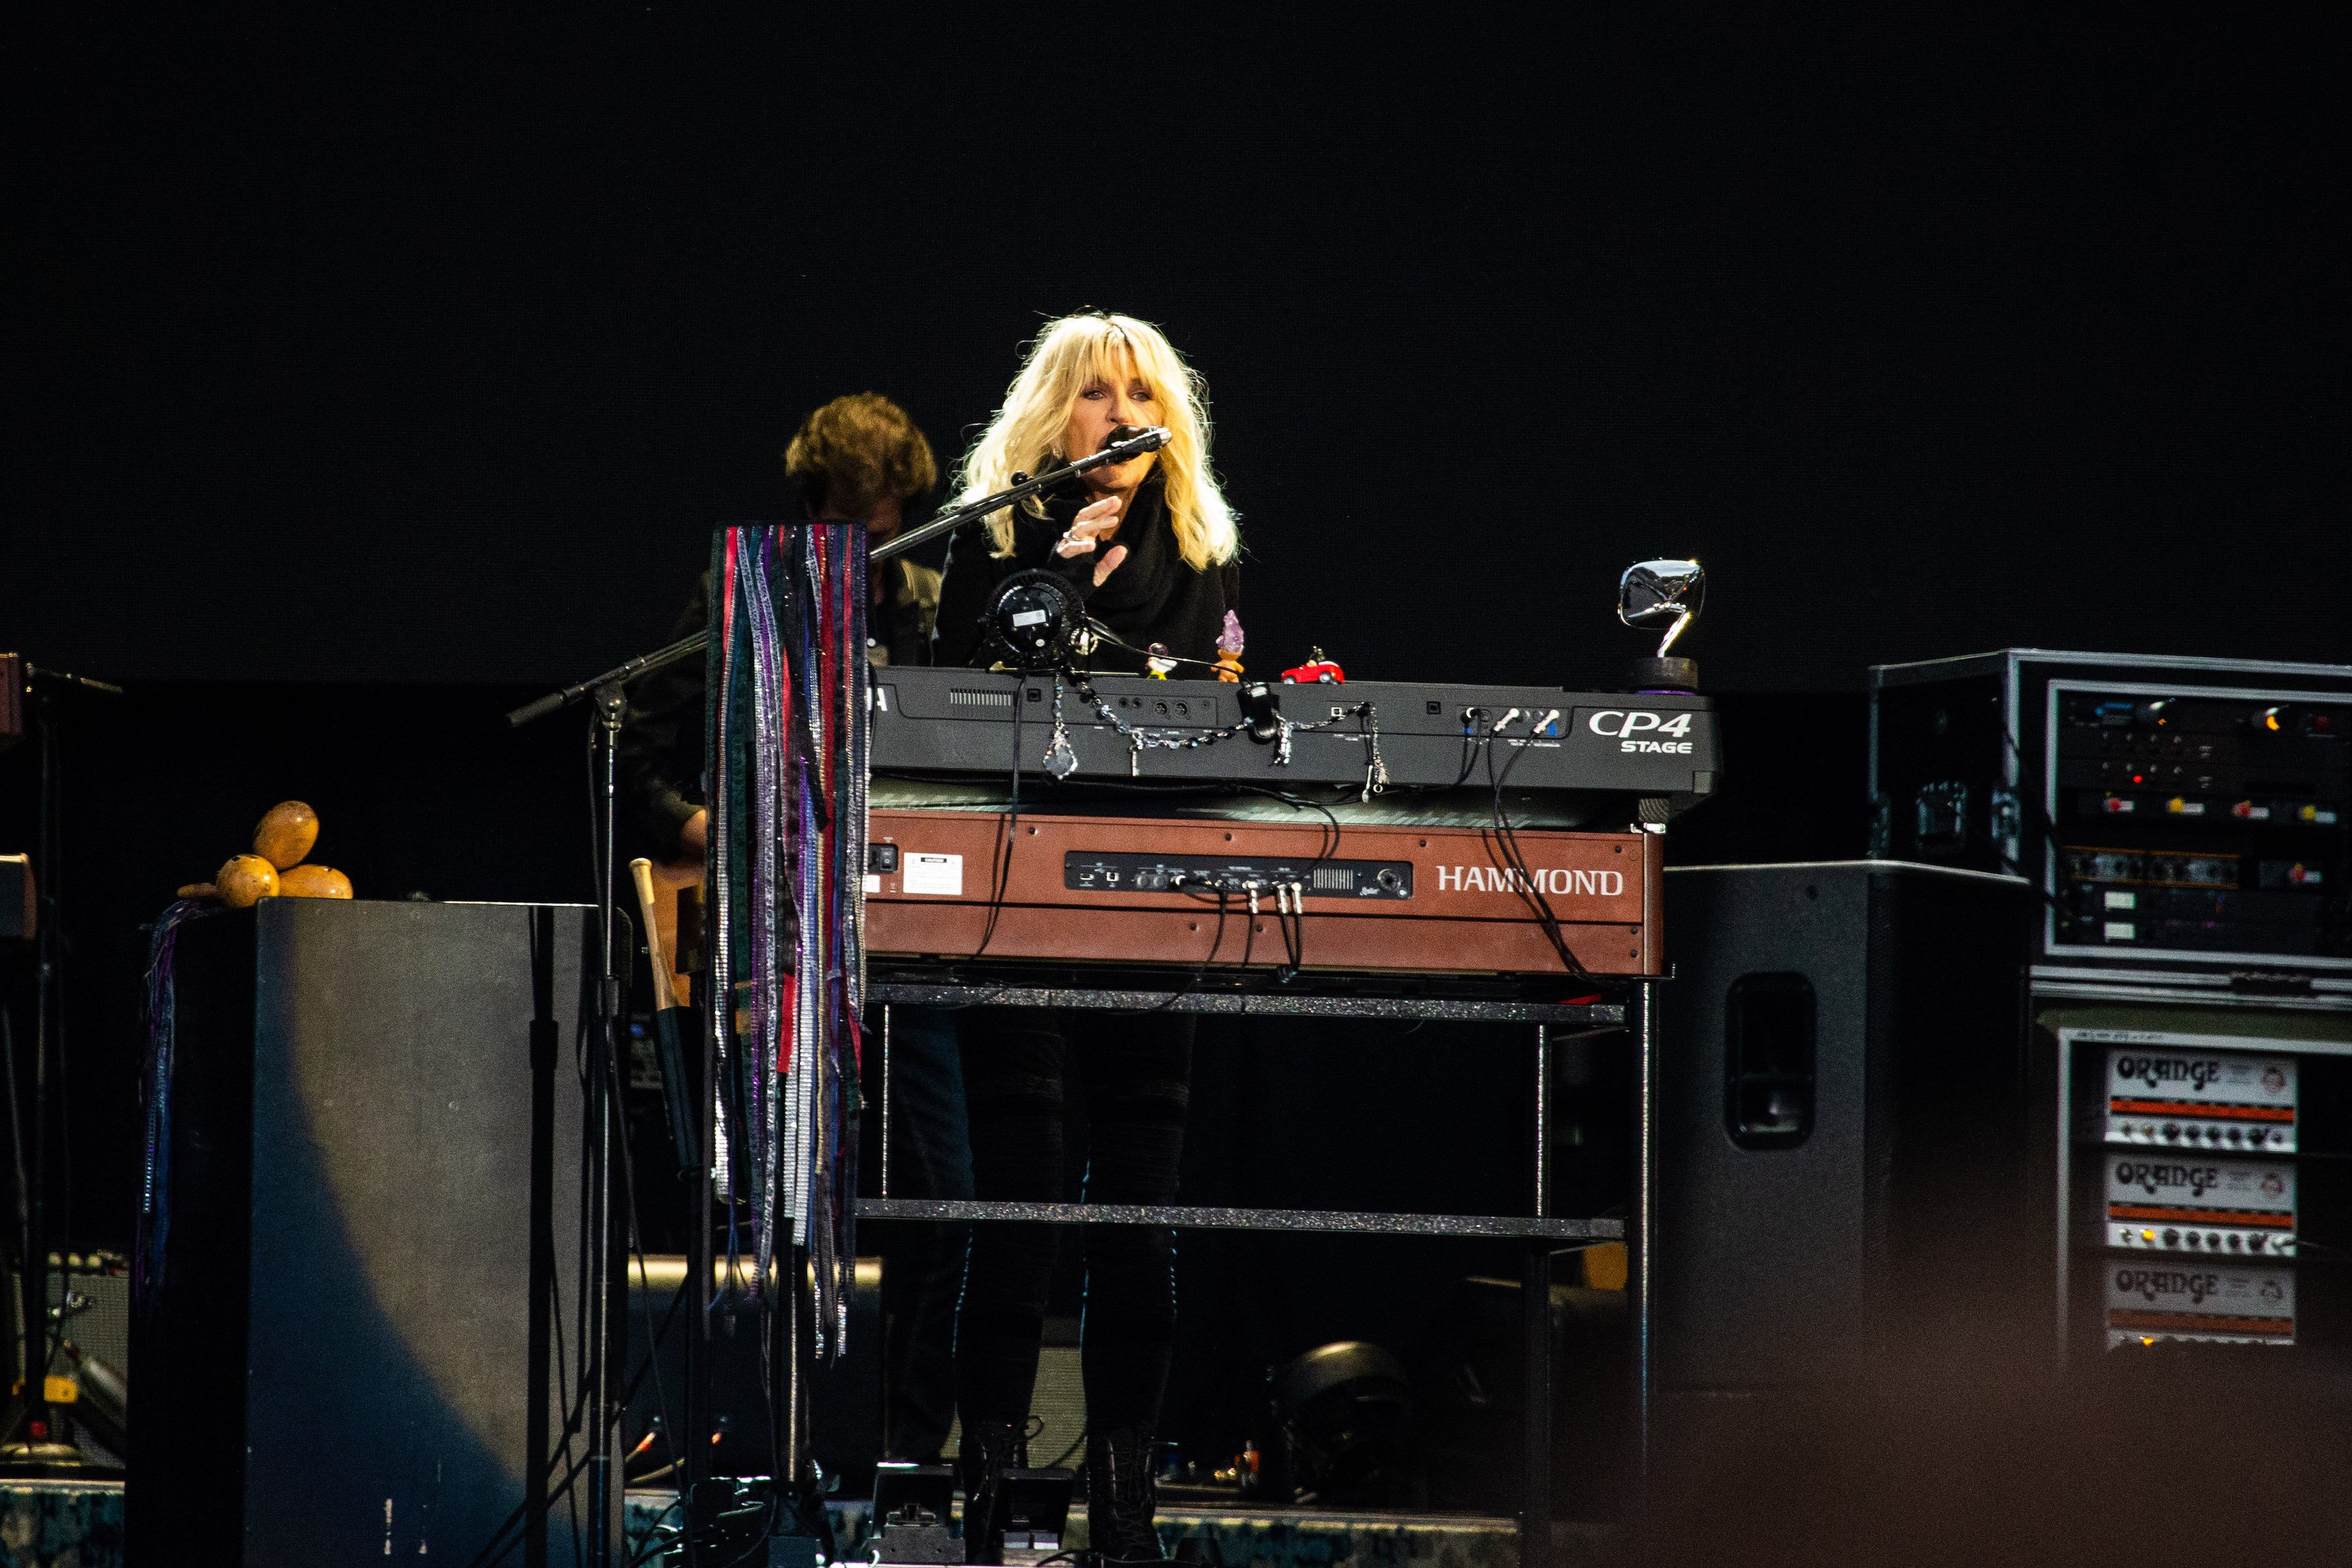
(1575, 756)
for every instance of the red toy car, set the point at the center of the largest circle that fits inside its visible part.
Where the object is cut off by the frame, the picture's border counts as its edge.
(1318, 668)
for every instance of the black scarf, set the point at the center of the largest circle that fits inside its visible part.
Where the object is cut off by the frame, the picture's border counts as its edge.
(1154, 595)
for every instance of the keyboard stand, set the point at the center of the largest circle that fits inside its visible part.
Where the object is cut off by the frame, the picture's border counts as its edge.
(1541, 1233)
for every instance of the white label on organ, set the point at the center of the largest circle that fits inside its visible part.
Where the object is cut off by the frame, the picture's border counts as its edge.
(941, 874)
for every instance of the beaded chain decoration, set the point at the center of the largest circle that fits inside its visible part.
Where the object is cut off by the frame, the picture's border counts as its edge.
(787, 766)
(1061, 761)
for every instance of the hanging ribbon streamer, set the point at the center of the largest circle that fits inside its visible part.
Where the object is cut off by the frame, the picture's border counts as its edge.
(788, 765)
(155, 1084)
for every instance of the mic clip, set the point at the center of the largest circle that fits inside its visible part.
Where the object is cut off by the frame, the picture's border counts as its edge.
(1263, 711)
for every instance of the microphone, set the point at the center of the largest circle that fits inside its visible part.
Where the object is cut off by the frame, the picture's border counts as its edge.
(1151, 436)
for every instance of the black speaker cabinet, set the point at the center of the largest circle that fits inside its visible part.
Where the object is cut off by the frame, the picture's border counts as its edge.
(1843, 1107)
(356, 1340)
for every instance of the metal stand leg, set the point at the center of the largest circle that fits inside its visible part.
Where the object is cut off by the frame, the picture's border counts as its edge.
(691, 1444)
(603, 1499)
(1642, 1015)
(1535, 1322)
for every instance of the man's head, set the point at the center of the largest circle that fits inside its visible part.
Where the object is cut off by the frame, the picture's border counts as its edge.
(860, 458)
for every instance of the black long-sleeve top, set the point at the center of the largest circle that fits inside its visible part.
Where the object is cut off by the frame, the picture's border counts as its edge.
(1152, 597)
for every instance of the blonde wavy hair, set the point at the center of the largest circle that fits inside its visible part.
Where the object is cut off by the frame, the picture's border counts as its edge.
(1067, 357)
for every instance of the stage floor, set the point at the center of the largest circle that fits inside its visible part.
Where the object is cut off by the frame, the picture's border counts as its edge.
(1279, 1538)
(78, 1524)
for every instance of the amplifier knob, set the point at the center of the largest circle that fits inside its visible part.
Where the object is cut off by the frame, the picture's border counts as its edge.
(2192, 1237)
(2234, 1244)
(2171, 1238)
(2253, 1243)
(2171, 1129)
(2213, 1238)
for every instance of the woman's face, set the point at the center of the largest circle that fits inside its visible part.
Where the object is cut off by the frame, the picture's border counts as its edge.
(1102, 407)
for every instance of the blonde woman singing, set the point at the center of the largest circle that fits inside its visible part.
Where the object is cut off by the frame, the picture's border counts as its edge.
(1149, 543)
(1150, 546)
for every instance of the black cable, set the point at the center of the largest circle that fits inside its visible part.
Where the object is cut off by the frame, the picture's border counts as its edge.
(1530, 891)
(583, 1388)
(764, 1314)
(1294, 941)
(1103, 634)
(1524, 884)
(1000, 865)
(652, 1336)
(654, 1548)
(1201, 971)
(1075, 1444)
(493, 1550)
(17, 1142)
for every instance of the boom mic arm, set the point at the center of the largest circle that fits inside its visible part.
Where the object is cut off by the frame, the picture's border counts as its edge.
(1135, 441)
(1127, 441)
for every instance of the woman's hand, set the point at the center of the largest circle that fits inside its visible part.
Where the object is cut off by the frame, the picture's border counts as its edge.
(1099, 520)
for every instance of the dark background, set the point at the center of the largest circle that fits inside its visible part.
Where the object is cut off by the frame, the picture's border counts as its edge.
(369, 349)
(371, 372)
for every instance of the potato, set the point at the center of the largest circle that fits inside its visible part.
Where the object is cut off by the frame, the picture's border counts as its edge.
(286, 833)
(313, 883)
(245, 879)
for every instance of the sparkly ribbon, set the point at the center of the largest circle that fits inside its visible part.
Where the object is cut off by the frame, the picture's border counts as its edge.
(789, 758)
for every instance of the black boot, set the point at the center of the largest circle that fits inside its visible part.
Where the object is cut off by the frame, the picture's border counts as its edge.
(989, 1448)
(1122, 1494)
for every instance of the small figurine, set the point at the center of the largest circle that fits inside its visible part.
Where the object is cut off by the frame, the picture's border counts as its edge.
(1316, 669)
(1158, 662)
(1229, 648)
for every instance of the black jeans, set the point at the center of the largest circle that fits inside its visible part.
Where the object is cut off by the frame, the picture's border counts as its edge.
(922, 1274)
(1135, 1073)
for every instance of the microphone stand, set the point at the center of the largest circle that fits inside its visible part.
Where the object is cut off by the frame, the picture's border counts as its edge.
(603, 1107)
(34, 1443)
